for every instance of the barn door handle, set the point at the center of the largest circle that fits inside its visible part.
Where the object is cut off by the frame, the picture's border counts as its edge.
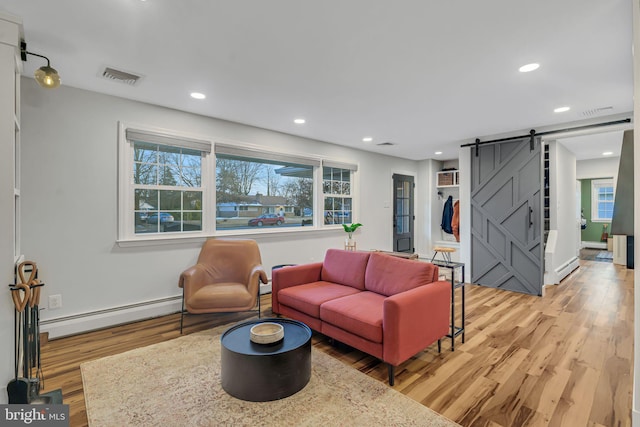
(530, 216)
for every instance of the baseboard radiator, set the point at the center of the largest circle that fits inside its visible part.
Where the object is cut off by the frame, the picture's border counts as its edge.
(93, 320)
(567, 268)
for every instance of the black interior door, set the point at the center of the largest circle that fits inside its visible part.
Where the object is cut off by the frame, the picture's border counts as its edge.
(403, 216)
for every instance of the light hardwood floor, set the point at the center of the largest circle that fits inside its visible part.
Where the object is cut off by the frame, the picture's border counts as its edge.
(561, 360)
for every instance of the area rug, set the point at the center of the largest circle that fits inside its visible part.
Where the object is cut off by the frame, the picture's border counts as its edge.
(177, 382)
(604, 255)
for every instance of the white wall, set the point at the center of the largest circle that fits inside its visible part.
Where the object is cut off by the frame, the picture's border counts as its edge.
(70, 200)
(604, 167)
(562, 203)
(9, 37)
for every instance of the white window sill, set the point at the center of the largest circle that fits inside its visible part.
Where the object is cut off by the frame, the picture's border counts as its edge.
(160, 240)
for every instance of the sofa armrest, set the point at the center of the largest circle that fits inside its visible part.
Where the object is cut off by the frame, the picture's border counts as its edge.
(414, 319)
(286, 277)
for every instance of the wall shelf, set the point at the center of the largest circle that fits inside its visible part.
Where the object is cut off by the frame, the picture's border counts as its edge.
(447, 179)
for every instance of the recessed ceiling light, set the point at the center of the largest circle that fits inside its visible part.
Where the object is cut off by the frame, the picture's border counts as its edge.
(529, 67)
(198, 95)
(607, 153)
(561, 109)
(437, 153)
(367, 139)
(299, 121)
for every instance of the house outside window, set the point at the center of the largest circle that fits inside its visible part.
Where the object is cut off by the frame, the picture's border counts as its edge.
(602, 200)
(263, 190)
(337, 190)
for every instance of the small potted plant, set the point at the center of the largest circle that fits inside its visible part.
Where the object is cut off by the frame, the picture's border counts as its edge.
(349, 243)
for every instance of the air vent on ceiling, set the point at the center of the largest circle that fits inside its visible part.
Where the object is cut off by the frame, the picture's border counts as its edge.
(120, 76)
(596, 111)
(384, 144)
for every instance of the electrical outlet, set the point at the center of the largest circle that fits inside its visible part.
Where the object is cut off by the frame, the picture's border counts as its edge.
(55, 301)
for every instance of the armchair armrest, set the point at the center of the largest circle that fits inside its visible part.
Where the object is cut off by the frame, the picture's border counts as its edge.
(286, 277)
(192, 279)
(414, 319)
(256, 275)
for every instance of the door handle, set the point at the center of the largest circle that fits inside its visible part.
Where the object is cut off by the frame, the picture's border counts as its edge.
(530, 217)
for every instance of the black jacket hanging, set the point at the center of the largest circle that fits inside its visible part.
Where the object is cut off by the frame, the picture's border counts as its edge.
(447, 214)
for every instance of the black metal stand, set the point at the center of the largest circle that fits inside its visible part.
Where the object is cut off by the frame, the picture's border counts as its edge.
(452, 266)
(26, 390)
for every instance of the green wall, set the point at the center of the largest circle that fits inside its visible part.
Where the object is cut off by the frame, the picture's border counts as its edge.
(593, 232)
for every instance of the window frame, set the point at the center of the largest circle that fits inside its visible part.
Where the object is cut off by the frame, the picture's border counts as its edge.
(125, 227)
(355, 202)
(595, 185)
(126, 186)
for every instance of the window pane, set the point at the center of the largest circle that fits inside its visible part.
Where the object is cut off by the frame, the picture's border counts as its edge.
(170, 200)
(145, 174)
(251, 192)
(337, 182)
(169, 175)
(603, 198)
(156, 208)
(143, 152)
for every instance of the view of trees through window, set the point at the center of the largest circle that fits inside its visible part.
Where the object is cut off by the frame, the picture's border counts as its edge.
(167, 191)
(262, 193)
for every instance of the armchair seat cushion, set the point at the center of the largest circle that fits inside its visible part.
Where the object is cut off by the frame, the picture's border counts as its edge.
(309, 297)
(220, 295)
(360, 314)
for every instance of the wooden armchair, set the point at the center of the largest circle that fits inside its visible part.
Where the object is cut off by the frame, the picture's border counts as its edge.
(226, 278)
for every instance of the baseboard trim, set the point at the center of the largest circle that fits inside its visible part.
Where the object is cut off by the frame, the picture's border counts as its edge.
(89, 321)
(566, 269)
(594, 245)
(99, 319)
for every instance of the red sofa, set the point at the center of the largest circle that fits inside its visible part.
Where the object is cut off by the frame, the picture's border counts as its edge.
(388, 307)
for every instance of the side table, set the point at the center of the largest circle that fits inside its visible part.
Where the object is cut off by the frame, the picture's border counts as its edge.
(453, 266)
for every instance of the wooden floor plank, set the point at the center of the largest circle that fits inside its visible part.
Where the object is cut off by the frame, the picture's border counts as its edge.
(564, 359)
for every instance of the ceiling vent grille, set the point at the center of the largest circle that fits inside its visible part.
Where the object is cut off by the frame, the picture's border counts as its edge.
(596, 111)
(385, 144)
(120, 76)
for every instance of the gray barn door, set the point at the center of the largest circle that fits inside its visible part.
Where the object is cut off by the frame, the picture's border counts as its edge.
(403, 216)
(506, 232)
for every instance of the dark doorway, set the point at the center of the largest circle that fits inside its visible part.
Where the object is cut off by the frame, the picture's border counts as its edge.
(403, 216)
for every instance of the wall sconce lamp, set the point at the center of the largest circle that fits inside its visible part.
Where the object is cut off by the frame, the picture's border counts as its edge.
(46, 76)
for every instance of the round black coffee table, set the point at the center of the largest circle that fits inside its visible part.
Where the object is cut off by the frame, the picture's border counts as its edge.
(263, 372)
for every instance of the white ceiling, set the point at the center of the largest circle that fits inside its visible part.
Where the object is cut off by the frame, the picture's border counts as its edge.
(424, 75)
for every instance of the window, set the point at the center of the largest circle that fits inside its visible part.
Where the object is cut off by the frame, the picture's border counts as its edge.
(262, 190)
(602, 199)
(164, 189)
(337, 192)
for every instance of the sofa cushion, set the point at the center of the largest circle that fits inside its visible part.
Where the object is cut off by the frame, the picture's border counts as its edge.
(359, 314)
(345, 267)
(388, 275)
(308, 298)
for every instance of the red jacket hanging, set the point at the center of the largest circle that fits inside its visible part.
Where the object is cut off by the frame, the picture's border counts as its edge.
(455, 220)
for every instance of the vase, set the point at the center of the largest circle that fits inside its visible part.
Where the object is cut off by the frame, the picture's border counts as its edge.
(349, 244)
